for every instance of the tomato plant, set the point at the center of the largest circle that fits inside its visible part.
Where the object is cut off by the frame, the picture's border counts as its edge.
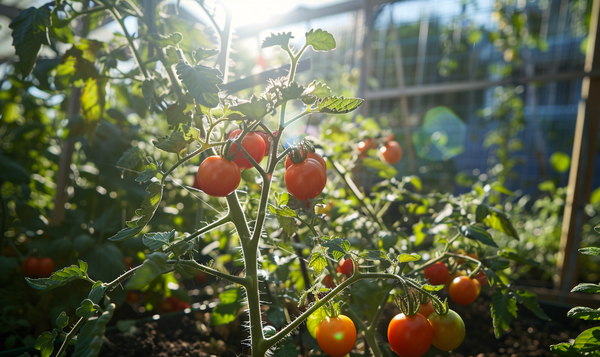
(410, 336)
(336, 335)
(448, 330)
(464, 290)
(218, 177)
(437, 273)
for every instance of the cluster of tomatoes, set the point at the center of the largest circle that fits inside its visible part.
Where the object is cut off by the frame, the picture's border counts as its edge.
(38, 267)
(463, 290)
(218, 177)
(391, 151)
(305, 176)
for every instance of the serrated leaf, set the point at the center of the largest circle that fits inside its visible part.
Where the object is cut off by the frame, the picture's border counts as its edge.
(163, 41)
(383, 170)
(92, 104)
(317, 261)
(281, 39)
(500, 222)
(154, 265)
(86, 309)
(517, 258)
(564, 350)
(283, 211)
(132, 158)
(45, 343)
(30, 32)
(475, 231)
(529, 299)
(60, 277)
(256, 109)
(155, 241)
(204, 53)
(337, 247)
(149, 206)
(590, 250)
(62, 320)
(228, 307)
(373, 255)
(314, 319)
(176, 115)
(504, 310)
(337, 105)
(201, 81)
(587, 288)
(588, 341)
(148, 174)
(320, 40)
(584, 313)
(276, 315)
(89, 339)
(406, 258)
(318, 89)
(288, 224)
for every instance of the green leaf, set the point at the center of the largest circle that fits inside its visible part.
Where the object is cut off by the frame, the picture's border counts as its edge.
(45, 343)
(584, 313)
(204, 53)
(288, 224)
(474, 37)
(227, 310)
(30, 32)
(517, 258)
(281, 39)
(92, 104)
(256, 109)
(62, 320)
(276, 315)
(163, 41)
(406, 258)
(317, 261)
(283, 211)
(547, 186)
(587, 288)
(477, 232)
(498, 187)
(384, 170)
(86, 309)
(148, 174)
(133, 159)
(89, 339)
(12, 171)
(373, 255)
(176, 115)
(415, 181)
(590, 250)
(560, 162)
(287, 350)
(318, 89)
(60, 277)
(97, 292)
(154, 265)
(432, 288)
(500, 222)
(588, 341)
(529, 299)
(201, 81)
(337, 247)
(149, 207)
(174, 143)
(148, 93)
(320, 40)
(481, 212)
(564, 350)
(337, 105)
(314, 319)
(504, 309)
(155, 241)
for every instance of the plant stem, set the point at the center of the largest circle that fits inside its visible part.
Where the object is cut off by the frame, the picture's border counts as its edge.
(194, 265)
(138, 59)
(70, 336)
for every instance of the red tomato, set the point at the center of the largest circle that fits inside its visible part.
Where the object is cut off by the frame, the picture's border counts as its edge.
(336, 335)
(410, 336)
(45, 267)
(254, 145)
(310, 155)
(464, 290)
(482, 278)
(176, 304)
(391, 152)
(328, 282)
(31, 267)
(436, 273)
(426, 309)
(128, 261)
(448, 330)
(196, 185)
(132, 297)
(346, 267)
(365, 145)
(200, 277)
(218, 177)
(267, 139)
(306, 179)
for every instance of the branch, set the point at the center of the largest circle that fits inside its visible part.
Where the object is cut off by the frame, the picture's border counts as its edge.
(194, 265)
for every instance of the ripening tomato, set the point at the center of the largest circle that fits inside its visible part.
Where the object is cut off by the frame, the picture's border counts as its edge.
(306, 179)
(346, 267)
(328, 282)
(482, 278)
(391, 152)
(464, 290)
(336, 335)
(436, 273)
(45, 267)
(410, 336)
(200, 277)
(426, 309)
(365, 145)
(31, 267)
(448, 330)
(218, 177)
(252, 143)
(310, 155)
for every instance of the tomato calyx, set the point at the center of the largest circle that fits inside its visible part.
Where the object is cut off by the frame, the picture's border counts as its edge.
(227, 153)
(297, 156)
